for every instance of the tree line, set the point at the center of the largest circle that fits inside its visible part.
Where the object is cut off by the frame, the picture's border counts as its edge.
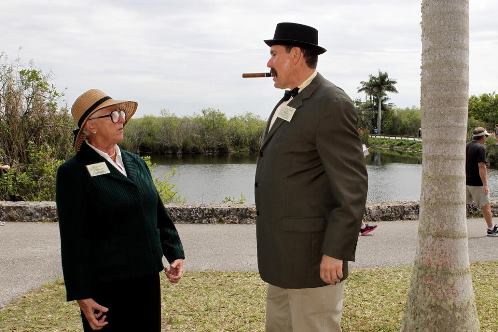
(376, 114)
(210, 132)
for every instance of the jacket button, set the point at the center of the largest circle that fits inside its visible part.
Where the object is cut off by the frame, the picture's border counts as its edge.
(256, 184)
(257, 212)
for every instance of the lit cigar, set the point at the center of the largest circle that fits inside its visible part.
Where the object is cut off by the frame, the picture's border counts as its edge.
(253, 75)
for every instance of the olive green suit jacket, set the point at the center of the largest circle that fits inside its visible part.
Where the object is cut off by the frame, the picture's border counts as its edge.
(112, 226)
(310, 188)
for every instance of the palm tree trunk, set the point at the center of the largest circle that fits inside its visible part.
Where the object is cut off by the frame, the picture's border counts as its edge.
(441, 296)
(379, 113)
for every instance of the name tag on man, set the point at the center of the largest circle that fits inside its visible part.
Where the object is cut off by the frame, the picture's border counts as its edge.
(286, 113)
(98, 169)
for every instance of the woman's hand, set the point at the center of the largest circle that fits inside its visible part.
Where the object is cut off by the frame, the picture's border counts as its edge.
(94, 313)
(175, 271)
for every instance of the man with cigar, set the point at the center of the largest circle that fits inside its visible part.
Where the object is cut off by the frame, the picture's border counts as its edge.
(310, 189)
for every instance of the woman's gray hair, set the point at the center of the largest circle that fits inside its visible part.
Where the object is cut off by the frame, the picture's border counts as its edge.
(85, 132)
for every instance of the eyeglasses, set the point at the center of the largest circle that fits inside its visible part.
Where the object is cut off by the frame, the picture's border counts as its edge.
(114, 115)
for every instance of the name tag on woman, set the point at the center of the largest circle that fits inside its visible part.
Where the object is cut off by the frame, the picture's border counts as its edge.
(286, 113)
(98, 169)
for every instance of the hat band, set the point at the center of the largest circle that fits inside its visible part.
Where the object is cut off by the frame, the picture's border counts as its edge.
(75, 134)
(90, 110)
(484, 133)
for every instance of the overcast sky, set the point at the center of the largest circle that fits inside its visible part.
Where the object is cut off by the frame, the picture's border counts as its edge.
(184, 56)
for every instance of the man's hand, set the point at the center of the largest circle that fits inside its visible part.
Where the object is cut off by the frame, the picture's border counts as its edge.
(330, 270)
(94, 313)
(175, 271)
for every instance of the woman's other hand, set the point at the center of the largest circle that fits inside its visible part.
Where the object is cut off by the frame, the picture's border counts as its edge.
(94, 313)
(175, 271)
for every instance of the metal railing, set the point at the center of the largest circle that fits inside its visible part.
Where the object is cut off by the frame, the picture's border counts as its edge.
(408, 138)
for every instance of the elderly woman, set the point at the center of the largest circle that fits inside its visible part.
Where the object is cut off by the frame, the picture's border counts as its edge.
(114, 228)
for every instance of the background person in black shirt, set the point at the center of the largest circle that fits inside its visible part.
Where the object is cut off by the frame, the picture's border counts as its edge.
(477, 177)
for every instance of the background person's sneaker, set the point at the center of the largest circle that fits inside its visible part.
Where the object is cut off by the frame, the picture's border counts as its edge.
(368, 229)
(494, 231)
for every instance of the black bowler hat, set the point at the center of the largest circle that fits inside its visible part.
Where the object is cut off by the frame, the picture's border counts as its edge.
(287, 33)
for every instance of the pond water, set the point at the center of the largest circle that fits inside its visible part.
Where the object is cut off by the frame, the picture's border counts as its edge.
(204, 179)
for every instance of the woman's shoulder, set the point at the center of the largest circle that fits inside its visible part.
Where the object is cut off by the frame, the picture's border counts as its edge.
(70, 163)
(72, 168)
(130, 155)
(135, 158)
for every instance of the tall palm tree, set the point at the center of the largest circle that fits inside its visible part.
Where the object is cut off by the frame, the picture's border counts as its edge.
(441, 296)
(367, 87)
(378, 86)
(382, 84)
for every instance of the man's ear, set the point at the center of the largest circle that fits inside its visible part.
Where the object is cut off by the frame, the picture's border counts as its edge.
(296, 54)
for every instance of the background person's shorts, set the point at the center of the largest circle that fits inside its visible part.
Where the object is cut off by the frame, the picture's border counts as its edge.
(476, 194)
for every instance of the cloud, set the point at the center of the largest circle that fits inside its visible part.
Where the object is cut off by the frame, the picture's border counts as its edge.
(185, 56)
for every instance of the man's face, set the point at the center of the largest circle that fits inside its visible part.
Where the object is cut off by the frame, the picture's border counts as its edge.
(280, 64)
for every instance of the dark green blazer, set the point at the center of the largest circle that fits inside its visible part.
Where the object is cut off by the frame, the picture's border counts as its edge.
(111, 226)
(310, 188)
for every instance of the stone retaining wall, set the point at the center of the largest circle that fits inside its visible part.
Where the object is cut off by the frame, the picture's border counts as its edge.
(211, 214)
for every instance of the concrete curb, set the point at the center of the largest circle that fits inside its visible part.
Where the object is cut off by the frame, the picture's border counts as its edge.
(216, 214)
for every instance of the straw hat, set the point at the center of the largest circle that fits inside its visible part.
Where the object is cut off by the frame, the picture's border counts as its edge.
(90, 102)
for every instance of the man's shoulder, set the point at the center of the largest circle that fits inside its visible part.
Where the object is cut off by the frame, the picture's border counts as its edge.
(475, 152)
(473, 145)
(332, 92)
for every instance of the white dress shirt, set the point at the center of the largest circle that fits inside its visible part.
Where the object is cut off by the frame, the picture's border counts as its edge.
(118, 164)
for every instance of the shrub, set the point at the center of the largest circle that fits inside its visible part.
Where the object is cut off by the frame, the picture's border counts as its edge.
(35, 133)
(166, 190)
(35, 180)
(29, 112)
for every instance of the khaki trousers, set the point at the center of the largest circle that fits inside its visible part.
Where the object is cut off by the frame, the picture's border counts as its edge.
(304, 310)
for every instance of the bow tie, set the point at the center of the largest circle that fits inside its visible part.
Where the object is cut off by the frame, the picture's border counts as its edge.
(290, 93)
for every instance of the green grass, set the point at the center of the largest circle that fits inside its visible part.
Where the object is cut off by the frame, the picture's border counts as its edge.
(235, 301)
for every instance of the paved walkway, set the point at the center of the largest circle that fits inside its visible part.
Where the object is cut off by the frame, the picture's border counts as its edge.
(30, 256)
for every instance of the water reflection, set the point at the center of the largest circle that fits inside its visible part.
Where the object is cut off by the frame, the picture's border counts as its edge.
(378, 158)
(195, 159)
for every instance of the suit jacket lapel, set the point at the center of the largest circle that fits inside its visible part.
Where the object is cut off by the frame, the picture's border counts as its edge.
(130, 167)
(307, 92)
(294, 103)
(269, 119)
(89, 156)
